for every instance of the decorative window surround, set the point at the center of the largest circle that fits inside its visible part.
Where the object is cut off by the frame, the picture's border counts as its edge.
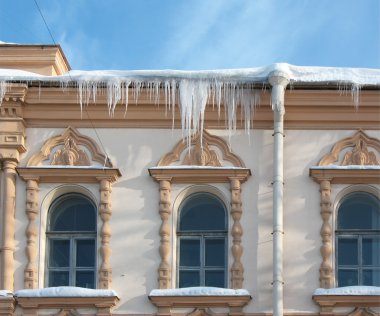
(74, 168)
(326, 174)
(200, 164)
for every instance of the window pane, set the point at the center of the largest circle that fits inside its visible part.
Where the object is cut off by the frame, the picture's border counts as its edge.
(85, 279)
(190, 253)
(59, 253)
(189, 278)
(214, 278)
(215, 252)
(58, 278)
(202, 212)
(359, 211)
(73, 213)
(347, 277)
(347, 251)
(371, 277)
(371, 251)
(85, 253)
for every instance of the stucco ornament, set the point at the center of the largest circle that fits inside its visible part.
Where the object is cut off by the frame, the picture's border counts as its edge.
(70, 155)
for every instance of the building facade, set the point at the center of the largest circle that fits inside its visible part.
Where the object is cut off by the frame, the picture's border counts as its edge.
(169, 193)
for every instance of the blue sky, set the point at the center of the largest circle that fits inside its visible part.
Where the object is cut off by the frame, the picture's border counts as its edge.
(200, 34)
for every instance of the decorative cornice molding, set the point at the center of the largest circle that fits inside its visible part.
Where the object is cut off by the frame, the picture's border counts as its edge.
(360, 155)
(200, 153)
(198, 176)
(346, 176)
(70, 154)
(68, 175)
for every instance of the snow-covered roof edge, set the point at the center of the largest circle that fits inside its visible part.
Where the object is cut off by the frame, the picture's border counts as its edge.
(302, 74)
(199, 291)
(349, 290)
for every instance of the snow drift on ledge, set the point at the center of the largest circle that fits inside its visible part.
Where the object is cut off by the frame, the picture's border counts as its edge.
(65, 291)
(5, 293)
(199, 291)
(350, 290)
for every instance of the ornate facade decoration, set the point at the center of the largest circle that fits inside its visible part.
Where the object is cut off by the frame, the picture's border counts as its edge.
(359, 155)
(69, 152)
(70, 155)
(201, 154)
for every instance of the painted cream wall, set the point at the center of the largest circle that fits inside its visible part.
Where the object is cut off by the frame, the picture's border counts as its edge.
(135, 221)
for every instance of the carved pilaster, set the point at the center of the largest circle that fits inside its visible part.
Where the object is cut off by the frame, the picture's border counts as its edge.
(105, 212)
(30, 273)
(9, 199)
(237, 269)
(325, 270)
(164, 270)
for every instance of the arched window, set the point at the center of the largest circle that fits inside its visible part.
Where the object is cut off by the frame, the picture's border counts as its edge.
(71, 257)
(202, 237)
(358, 240)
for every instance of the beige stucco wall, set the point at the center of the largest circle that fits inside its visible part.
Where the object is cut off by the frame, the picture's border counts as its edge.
(135, 221)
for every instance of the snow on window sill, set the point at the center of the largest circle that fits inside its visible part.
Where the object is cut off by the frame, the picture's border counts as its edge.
(5, 293)
(65, 291)
(199, 291)
(349, 290)
(351, 167)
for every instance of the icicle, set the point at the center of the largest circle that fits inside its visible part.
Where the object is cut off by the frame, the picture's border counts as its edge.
(3, 89)
(113, 95)
(355, 94)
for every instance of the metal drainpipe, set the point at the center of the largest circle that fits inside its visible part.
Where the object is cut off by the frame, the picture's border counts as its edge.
(279, 81)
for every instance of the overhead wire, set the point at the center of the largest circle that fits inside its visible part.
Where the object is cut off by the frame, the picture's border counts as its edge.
(107, 159)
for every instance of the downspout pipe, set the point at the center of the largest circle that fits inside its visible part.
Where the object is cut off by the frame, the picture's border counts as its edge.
(278, 81)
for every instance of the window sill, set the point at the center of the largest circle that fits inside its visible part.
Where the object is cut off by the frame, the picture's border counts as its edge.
(165, 303)
(33, 300)
(7, 305)
(327, 303)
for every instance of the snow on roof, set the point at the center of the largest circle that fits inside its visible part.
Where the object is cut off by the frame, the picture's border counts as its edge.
(5, 293)
(199, 291)
(351, 167)
(65, 291)
(359, 76)
(349, 290)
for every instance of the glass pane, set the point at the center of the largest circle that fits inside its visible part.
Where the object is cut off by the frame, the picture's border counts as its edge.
(85, 279)
(189, 253)
(73, 213)
(214, 278)
(215, 252)
(59, 253)
(202, 212)
(59, 278)
(371, 277)
(347, 277)
(371, 251)
(359, 211)
(189, 278)
(85, 253)
(347, 251)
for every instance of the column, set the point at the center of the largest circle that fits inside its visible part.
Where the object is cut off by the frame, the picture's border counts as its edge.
(7, 260)
(164, 270)
(325, 270)
(30, 272)
(105, 212)
(237, 269)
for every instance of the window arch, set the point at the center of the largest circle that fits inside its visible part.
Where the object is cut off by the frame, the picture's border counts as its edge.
(358, 240)
(71, 235)
(202, 238)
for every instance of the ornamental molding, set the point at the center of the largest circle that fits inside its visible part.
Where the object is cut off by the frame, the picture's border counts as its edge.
(201, 152)
(65, 149)
(360, 153)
